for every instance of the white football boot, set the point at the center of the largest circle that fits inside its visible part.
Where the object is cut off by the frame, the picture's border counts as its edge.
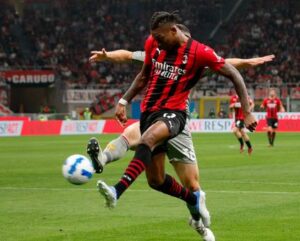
(109, 193)
(205, 233)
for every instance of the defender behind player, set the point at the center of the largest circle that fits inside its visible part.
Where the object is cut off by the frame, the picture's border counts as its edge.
(239, 129)
(272, 105)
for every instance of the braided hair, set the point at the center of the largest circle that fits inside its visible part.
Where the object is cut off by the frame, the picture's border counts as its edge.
(160, 18)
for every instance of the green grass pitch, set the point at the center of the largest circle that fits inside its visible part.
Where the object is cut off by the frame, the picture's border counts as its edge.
(254, 198)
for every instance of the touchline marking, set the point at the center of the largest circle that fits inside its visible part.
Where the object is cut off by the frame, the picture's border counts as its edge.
(137, 190)
(254, 182)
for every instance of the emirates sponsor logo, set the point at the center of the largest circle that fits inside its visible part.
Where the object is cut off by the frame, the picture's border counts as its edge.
(167, 71)
(271, 105)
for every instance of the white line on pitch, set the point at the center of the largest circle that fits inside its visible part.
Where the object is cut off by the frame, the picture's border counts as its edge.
(253, 182)
(139, 190)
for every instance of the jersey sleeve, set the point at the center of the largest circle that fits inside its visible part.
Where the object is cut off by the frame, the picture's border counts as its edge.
(207, 57)
(138, 56)
(148, 48)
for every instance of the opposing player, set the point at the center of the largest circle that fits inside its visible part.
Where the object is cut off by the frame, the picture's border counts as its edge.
(172, 66)
(239, 129)
(272, 105)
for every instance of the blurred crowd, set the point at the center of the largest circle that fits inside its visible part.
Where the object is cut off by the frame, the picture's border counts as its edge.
(60, 36)
(269, 27)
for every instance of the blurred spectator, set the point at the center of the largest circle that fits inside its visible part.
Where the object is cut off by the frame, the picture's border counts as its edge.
(87, 114)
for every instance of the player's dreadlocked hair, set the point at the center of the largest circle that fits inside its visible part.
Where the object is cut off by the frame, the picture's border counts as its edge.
(159, 18)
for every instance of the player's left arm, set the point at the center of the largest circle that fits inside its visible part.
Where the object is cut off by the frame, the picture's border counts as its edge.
(234, 75)
(281, 107)
(252, 62)
(251, 103)
(208, 57)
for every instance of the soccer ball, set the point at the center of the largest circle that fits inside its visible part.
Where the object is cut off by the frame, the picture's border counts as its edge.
(77, 169)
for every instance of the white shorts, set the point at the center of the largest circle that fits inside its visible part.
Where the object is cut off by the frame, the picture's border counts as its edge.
(181, 148)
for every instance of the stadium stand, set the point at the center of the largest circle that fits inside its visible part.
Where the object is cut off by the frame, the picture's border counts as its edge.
(59, 35)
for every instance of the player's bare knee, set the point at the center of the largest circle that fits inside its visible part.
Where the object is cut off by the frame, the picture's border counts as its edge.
(149, 139)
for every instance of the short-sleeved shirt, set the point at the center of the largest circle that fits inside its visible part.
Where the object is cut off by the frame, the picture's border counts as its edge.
(272, 107)
(174, 73)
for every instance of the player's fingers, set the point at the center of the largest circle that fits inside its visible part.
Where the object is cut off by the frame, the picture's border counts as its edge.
(96, 52)
(268, 58)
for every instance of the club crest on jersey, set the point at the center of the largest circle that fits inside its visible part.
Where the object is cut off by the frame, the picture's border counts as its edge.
(185, 59)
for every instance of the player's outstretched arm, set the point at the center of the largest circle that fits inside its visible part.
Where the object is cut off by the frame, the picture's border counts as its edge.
(252, 62)
(233, 74)
(118, 56)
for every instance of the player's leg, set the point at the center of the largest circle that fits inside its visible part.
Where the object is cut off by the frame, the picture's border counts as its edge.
(162, 126)
(155, 134)
(274, 127)
(246, 138)
(115, 149)
(164, 183)
(238, 134)
(182, 155)
(269, 131)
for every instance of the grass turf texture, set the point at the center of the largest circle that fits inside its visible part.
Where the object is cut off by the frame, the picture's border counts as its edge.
(250, 198)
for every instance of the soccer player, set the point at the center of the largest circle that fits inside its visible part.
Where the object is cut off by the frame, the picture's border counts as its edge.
(238, 130)
(182, 150)
(272, 105)
(172, 66)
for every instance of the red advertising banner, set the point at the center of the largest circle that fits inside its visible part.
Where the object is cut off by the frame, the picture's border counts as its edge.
(284, 125)
(31, 128)
(112, 126)
(29, 77)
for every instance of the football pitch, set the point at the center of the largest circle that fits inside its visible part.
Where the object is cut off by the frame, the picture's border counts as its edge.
(254, 198)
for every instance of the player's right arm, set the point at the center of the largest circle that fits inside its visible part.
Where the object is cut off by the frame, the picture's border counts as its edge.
(137, 85)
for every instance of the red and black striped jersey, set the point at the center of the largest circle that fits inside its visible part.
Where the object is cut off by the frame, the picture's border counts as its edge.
(174, 73)
(272, 106)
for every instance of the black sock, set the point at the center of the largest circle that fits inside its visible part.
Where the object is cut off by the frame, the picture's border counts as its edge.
(273, 137)
(138, 164)
(248, 144)
(270, 137)
(171, 187)
(241, 141)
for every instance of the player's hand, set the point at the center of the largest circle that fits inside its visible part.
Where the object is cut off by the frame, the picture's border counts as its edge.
(250, 122)
(97, 56)
(120, 114)
(260, 60)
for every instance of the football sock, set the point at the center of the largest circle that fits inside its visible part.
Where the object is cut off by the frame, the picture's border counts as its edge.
(138, 164)
(270, 137)
(115, 150)
(171, 187)
(241, 141)
(273, 138)
(248, 144)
